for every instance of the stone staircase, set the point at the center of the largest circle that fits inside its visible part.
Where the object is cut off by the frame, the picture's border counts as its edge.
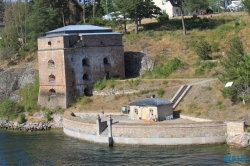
(180, 94)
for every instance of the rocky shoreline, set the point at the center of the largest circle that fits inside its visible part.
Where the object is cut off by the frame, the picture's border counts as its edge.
(29, 126)
(56, 123)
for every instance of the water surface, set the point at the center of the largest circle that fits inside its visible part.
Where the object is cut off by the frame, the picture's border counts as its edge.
(55, 148)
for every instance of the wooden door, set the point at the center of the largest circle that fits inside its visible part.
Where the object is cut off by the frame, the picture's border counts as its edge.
(143, 113)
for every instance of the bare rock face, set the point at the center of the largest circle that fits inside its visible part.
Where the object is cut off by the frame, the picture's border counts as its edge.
(15, 78)
(57, 121)
(136, 63)
(239, 140)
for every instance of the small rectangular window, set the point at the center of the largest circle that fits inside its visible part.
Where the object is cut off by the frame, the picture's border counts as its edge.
(49, 43)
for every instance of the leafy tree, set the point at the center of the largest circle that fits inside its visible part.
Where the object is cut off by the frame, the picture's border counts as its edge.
(147, 9)
(42, 18)
(107, 5)
(15, 30)
(125, 7)
(196, 5)
(246, 4)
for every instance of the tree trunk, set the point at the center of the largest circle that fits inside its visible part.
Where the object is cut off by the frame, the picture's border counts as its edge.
(136, 21)
(183, 24)
(83, 11)
(125, 24)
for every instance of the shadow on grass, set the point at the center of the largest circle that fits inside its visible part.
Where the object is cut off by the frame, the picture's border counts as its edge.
(190, 23)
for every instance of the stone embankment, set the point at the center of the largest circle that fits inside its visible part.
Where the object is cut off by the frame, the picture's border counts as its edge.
(56, 123)
(239, 141)
(34, 126)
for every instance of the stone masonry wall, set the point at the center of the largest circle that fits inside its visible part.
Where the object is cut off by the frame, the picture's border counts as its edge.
(234, 128)
(86, 127)
(155, 130)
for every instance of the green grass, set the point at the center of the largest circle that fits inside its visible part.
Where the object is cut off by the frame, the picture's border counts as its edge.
(160, 92)
(163, 70)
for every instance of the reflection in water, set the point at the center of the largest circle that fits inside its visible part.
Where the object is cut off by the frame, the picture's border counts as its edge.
(54, 148)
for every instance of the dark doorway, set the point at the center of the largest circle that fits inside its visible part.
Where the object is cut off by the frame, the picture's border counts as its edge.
(88, 92)
(107, 74)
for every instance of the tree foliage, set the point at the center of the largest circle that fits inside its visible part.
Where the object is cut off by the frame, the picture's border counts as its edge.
(246, 4)
(203, 50)
(236, 68)
(231, 63)
(195, 5)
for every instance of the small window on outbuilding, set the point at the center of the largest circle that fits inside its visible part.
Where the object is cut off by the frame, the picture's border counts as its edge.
(51, 64)
(52, 92)
(85, 76)
(151, 111)
(52, 78)
(49, 43)
(85, 62)
(136, 111)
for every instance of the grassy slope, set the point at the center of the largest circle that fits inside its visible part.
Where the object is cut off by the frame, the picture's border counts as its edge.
(203, 100)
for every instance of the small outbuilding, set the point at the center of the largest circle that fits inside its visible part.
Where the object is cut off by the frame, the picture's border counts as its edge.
(151, 107)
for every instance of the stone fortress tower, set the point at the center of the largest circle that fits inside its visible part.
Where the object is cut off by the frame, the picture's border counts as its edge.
(72, 58)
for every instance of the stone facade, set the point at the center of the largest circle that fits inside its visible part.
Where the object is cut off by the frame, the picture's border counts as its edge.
(71, 59)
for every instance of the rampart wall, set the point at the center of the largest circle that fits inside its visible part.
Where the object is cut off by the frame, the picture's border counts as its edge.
(148, 133)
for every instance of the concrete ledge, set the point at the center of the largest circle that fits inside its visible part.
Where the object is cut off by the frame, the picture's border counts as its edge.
(144, 141)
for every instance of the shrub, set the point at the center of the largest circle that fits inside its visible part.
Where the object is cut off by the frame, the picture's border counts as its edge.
(160, 92)
(22, 119)
(7, 108)
(100, 84)
(163, 17)
(229, 92)
(48, 114)
(29, 96)
(203, 50)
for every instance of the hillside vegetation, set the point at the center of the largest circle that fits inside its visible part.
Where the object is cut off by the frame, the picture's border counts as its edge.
(165, 43)
(177, 63)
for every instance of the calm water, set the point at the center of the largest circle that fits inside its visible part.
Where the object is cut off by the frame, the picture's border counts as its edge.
(55, 148)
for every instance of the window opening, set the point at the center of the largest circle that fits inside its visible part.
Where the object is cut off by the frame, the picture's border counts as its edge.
(85, 62)
(52, 92)
(51, 64)
(52, 78)
(85, 76)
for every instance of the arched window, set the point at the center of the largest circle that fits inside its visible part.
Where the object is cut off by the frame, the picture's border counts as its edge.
(52, 92)
(85, 76)
(51, 64)
(85, 62)
(52, 78)
(105, 61)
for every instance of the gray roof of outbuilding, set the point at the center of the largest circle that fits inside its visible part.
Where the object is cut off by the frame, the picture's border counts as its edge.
(76, 29)
(150, 102)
